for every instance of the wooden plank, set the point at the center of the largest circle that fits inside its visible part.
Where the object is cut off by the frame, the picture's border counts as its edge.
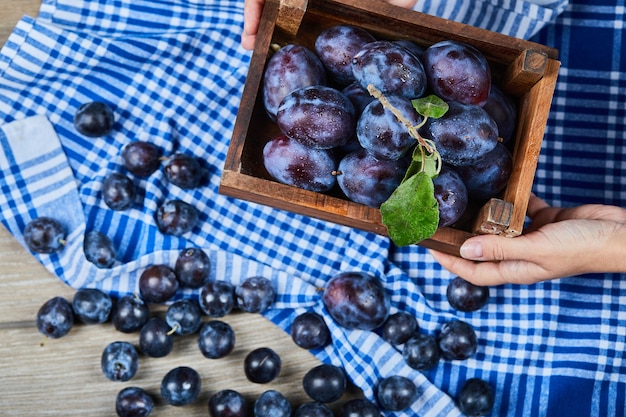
(528, 68)
(11, 12)
(535, 106)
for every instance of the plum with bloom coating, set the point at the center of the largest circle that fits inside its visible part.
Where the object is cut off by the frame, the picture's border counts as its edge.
(176, 217)
(457, 340)
(356, 300)
(228, 403)
(158, 283)
(181, 386)
(262, 365)
(396, 393)
(99, 249)
(91, 305)
(133, 402)
(309, 331)
(476, 398)
(119, 361)
(55, 318)
(44, 235)
(457, 71)
(292, 163)
(272, 403)
(255, 294)
(317, 116)
(94, 119)
(325, 383)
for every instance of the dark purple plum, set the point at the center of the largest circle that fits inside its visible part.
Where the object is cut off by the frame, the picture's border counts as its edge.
(118, 191)
(317, 116)
(141, 158)
(390, 68)
(457, 71)
(451, 195)
(325, 383)
(216, 298)
(465, 296)
(292, 163)
(44, 235)
(92, 306)
(367, 180)
(309, 331)
(399, 327)
(181, 386)
(381, 133)
(94, 119)
(216, 339)
(133, 402)
(356, 300)
(157, 283)
(184, 316)
(272, 403)
(184, 171)
(262, 365)
(336, 46)
(228, 403)
(486, 177)
(156, 338)
(176, 217)
(457, 340)
(465, 134)
(55, 318)
(193, 268)
(99, 249)
(119, 361)
(291, 67)
(396, 393)
(421, 352)
(503, 110)
(359, 407)
(476, 398)
(255, 294)
(129, 314)
(359, 97)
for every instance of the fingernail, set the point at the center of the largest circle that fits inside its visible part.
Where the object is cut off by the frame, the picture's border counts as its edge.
(471, 250)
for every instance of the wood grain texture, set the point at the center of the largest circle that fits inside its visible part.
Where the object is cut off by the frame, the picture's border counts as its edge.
(63, 377)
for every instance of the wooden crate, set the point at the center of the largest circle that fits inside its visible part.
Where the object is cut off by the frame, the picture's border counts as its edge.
(525, 70)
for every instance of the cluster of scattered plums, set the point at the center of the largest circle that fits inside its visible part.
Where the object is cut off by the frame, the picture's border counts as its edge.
(354, 300)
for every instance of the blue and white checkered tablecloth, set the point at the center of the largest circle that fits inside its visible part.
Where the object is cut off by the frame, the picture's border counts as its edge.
(173, 71)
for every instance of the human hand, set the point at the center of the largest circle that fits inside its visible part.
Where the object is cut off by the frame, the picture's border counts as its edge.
(252, 10)
(252, 15)
(560, 242)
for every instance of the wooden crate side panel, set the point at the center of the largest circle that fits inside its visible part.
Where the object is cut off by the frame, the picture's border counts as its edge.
(535, 109)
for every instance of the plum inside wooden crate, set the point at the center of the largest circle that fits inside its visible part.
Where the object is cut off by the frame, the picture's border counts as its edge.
(526, 71)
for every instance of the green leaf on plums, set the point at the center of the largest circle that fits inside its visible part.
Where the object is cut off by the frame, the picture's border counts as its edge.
(430, 106)
(411, 213)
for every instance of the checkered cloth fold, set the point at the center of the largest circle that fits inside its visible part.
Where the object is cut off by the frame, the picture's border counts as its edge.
(173, 72)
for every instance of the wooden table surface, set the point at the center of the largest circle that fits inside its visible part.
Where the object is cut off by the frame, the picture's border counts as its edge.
(63, 376)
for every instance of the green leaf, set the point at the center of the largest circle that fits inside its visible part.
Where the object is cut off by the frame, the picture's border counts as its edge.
(411, 213)
(430, 106)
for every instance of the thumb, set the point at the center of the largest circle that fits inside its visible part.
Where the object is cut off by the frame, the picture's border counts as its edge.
(495, 248)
